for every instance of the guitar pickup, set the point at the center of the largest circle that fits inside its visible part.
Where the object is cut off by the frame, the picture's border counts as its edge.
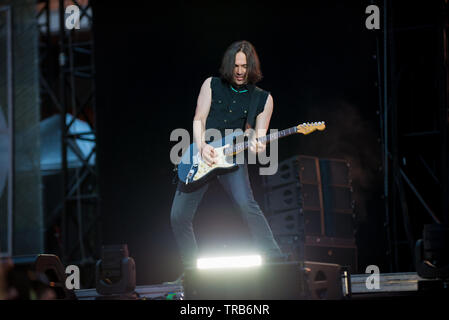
(191, 173)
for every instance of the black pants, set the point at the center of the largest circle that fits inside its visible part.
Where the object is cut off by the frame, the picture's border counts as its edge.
(237, 185)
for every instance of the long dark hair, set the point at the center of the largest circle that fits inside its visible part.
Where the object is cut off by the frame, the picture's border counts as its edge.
(252, 61)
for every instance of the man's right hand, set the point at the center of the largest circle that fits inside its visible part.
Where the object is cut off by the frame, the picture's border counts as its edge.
(209, 155)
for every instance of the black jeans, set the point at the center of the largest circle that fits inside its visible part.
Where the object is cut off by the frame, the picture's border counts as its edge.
(237, 184)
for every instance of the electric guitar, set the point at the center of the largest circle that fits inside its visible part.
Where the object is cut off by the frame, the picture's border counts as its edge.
(194, 171)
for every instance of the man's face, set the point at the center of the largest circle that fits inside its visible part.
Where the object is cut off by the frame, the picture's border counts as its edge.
(240, 75)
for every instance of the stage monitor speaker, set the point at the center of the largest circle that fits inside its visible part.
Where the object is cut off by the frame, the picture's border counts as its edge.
(31, 275)
(294, 280)
(324, 281)
(273, 281)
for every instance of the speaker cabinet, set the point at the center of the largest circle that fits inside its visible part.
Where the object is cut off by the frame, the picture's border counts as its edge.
(339, 251)
(274, 281)
(294, 280)
(323, 281)
(32, 274)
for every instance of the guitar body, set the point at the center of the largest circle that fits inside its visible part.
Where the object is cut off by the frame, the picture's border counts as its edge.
(194, 171)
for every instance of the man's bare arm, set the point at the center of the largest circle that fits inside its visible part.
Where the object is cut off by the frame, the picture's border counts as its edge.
(263, 119)
(201, 113)
(206, 151)
(262, 124)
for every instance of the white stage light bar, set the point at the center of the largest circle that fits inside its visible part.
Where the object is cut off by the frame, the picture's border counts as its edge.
(229, 262)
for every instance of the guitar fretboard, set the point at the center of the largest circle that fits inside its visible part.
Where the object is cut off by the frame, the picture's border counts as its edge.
(238, 147)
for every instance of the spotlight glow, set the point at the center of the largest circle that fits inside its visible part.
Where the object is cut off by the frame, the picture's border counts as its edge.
(229, 262)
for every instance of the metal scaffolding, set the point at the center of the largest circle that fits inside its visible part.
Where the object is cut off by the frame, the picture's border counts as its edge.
(414, 126)
(67, 81)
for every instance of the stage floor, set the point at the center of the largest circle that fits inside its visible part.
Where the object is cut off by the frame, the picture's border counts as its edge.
(390, 285)
(149, 292)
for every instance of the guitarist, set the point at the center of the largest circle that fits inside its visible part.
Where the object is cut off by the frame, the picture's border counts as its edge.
(227, 103)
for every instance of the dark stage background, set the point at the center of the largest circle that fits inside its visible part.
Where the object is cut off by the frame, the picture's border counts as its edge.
(318, 63)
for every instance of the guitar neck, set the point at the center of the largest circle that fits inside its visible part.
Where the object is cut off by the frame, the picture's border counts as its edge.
(241, 146)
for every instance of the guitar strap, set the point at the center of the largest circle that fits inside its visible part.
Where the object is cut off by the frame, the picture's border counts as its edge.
(255, 98)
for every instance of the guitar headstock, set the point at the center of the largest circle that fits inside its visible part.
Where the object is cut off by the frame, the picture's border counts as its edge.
(310, 127)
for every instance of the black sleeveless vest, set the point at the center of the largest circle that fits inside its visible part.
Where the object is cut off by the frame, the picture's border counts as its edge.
(230, 106)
